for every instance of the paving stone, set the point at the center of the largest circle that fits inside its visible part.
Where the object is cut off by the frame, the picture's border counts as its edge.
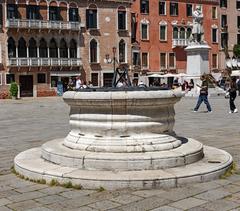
(24, 205)
(232, 188)
(220, 205)
(104, 205)
(177, 194)
(166, 208)
(85, 208)
(30, 188)
(148, 193)
(50, 199)
(212, 195)
(4, 201)
(26, 196)
(76, 193)
(54, 190)
(39, 209)
(4, 208)
(188, 203)
(126, 198)
(145, 204)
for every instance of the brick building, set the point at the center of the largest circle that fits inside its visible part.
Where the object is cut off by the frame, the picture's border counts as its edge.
(43, 42)
(162, 29)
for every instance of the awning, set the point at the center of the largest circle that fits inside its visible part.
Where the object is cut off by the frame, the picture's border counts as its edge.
(65, 73)
(235, 73)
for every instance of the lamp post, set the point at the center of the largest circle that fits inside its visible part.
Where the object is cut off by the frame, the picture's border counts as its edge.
(114, 63)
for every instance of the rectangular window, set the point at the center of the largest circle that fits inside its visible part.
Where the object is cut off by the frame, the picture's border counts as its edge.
(189, 9)
(238, 39)
(224, 40)
(163, 63)
(91, 18)
(144, 30)
(10, 78)
(144, 6)
(121, 20)
(214, 12)
(162, 8)
(214, 35)
(238, 21)
(136, 58)
(214, 61)
(238, 5)
(41, 78)
(94, 77)
(163, 32)
(223, 3)
(107, 79)
(54, 14)
(1, 16)
(73, 14)
(173, 9)
(54, 80)
(145, 60)
(171, 60)
(33, 12)
(12, 11)
(223, 21)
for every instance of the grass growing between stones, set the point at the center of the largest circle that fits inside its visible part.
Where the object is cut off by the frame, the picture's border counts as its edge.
(232, 170)
(53, 182)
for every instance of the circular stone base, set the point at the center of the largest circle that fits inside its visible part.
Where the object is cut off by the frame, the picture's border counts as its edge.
(56, 152)
(215, 162)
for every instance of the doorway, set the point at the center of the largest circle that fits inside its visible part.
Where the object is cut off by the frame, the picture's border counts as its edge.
(26, 85)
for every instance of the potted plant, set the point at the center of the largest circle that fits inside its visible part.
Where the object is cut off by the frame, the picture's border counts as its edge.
(14, 90)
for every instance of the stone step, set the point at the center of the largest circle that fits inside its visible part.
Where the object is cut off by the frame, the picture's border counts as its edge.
(56, 152)
(215, 162)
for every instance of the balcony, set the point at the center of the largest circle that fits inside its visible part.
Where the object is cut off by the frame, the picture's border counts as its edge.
(42, 24)
(44, 62)
(179, 43)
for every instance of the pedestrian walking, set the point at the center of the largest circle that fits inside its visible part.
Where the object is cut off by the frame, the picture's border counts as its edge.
(232, 95)
(203, 96)
(238, 86)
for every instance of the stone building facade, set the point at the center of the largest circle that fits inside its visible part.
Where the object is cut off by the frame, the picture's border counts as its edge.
(229, 15)
(162, 30)
(46, 43)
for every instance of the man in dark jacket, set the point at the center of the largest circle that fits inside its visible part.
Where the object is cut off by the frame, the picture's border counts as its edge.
(203, 96)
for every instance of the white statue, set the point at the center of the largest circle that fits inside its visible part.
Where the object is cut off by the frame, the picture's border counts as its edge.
(198, 31)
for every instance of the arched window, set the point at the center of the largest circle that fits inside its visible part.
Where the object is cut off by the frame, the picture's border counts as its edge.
(182, 33)
(63, 49)
(91, 17)
(53, 50)
(43, 51)
(32, 48)
(175, 33)
(122, 52)
(22, 48)
(189, 32)
(93, 51)
(73, 49)
(121, 18)
(11, 48)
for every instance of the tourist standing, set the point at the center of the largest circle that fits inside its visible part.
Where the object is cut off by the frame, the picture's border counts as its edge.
(78, 83)
(203, 96)
(232, 95)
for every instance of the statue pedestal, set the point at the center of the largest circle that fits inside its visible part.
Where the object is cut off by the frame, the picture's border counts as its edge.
(197, 65)
(197, 59)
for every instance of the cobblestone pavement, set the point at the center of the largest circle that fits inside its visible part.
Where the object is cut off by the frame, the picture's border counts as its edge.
(30, 122)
